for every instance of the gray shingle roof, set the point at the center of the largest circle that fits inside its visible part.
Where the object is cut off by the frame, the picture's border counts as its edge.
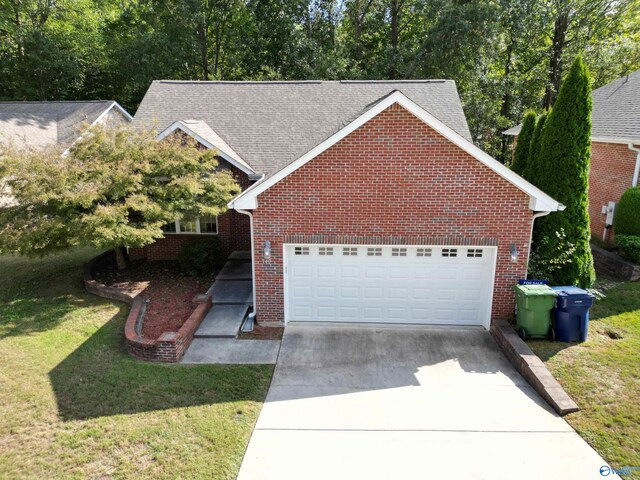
(39, 124)
(270, 124)
(616, 110)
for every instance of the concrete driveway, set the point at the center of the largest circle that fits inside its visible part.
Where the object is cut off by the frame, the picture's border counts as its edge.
(371, 402)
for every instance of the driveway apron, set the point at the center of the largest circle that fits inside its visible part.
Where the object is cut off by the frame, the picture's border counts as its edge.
(377, 402)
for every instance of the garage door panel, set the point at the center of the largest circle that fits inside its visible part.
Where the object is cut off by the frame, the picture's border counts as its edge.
(395, 285)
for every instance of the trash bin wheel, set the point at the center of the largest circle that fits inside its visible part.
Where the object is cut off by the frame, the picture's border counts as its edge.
(551, 334)
(522, 333)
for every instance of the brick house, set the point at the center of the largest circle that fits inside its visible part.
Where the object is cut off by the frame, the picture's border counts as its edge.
(615, 149)
(362, 201)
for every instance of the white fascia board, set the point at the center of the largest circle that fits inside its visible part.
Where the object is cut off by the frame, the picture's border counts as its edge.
(543, 201)
(625, 141)
(179, 125)
(118, 107)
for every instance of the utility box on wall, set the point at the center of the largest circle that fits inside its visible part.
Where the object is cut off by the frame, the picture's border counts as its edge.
(610, 210)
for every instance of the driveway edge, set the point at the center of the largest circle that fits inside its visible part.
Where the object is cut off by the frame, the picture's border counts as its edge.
(532, 368)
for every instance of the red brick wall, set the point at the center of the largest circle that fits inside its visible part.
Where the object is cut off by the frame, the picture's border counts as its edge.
(392, 177)
(611, 173)
(233, 232)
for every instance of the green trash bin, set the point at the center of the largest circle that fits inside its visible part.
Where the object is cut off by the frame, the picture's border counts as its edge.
(534, 305)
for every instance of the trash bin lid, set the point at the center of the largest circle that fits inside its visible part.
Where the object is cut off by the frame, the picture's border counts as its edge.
(536, 290)
(573, 292)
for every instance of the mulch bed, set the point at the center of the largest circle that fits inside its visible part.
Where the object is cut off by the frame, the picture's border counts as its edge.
(170, 290)
(262, 333)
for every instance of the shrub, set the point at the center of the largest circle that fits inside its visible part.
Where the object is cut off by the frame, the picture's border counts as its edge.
(202, 255)
(558, 254)
(630, 246)
(627, 219)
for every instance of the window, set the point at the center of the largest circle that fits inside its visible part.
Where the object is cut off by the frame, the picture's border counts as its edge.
(187, 226)
(301, 251)
(208, 224)
(325, 251)
(205, 225)
(169, 227)
(474, 252)
(423, 252)
(449, 252)
(374, 252)
(398, 252)
(350, 251)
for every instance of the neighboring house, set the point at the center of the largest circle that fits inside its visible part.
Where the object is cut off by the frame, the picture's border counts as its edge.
(615, 149)
(363, 201)
(43, 124)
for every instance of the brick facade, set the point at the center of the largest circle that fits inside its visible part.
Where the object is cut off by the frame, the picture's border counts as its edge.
(611, 174)
(392, 178)
(233, 232)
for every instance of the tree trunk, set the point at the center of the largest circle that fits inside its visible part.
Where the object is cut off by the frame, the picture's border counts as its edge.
(555, 58)
(505, 109)
(395, 13)
(120, 260)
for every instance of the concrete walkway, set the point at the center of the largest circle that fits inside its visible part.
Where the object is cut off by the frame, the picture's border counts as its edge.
(374, 402)
(216, 341)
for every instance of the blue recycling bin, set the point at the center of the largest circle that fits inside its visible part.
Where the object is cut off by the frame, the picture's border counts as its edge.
(571, 314)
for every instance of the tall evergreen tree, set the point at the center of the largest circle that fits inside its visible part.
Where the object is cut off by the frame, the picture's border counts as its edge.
(530, 173)
(523, 144)
(564, 160)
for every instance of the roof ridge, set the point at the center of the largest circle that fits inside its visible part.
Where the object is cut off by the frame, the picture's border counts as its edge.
(294, 82)
(48, 102)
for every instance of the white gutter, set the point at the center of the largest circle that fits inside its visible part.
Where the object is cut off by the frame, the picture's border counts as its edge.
(533, 220)
(253, 262)
(636, 171)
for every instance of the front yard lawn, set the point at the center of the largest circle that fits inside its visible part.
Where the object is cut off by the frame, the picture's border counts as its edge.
(603, 376)
(73, 404)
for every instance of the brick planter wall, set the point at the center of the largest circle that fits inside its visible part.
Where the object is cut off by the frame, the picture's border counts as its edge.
(170, 346)
(397, 180)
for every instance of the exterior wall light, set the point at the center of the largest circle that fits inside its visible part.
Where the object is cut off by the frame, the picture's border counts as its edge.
(514, 252)
(266, 250)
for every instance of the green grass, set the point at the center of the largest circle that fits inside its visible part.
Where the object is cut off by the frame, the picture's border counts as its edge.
(603, 376)
(73, 404)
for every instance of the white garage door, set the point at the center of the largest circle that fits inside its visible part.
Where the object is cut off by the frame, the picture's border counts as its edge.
(389, 284)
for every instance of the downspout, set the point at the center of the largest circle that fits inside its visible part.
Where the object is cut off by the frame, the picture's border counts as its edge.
(533, 220)
(636, 171)
(253, 263)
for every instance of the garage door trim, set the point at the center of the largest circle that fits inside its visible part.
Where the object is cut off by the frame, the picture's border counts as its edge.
(493, 249)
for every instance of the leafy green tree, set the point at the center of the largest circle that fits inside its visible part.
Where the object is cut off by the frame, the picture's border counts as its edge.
(531, 171)
(523, 144)
(564, 164)
(113, 189)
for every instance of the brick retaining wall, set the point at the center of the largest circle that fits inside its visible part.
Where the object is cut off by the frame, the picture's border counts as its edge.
(170, 346)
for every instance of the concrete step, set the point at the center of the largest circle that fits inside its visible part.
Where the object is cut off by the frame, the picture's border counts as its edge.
(222, 321)
(235, 270)
(240, 255)
(232, 351)
(231, 292)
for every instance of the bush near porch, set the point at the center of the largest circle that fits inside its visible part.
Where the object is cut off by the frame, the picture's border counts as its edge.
(603, 377)
(73, 404)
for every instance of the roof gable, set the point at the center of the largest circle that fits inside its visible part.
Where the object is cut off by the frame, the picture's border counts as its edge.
(270, 124)
(39, 124)
(203, 134)
(539, 201)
